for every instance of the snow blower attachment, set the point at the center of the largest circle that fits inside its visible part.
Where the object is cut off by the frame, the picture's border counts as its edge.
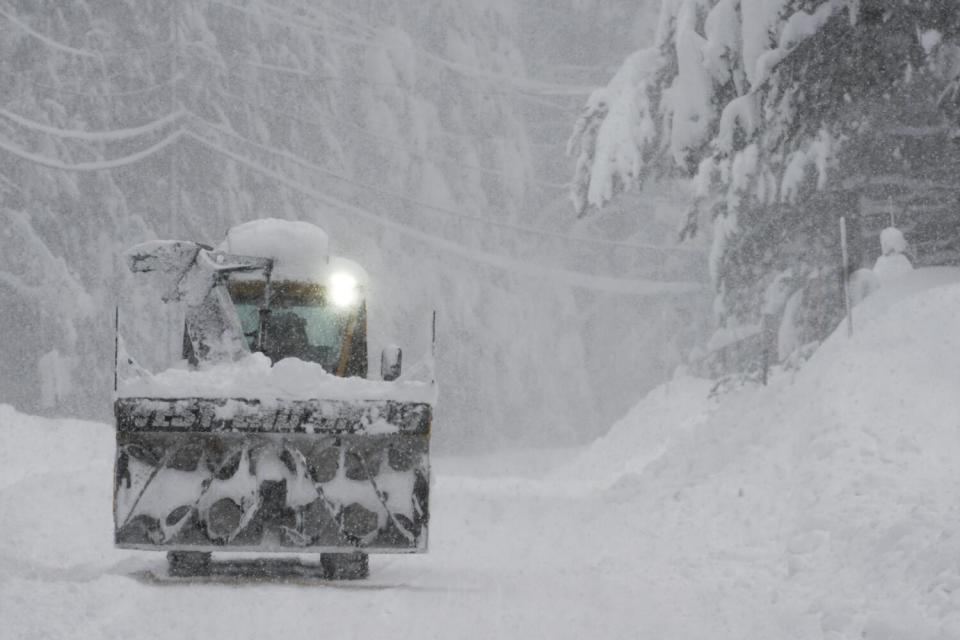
(266, 437)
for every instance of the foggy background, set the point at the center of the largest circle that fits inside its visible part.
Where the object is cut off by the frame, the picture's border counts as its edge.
(427, 138)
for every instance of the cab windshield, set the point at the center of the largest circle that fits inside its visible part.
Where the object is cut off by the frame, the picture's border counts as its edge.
(299, 322)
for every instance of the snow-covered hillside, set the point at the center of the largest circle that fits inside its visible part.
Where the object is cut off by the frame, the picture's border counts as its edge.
(829, 497)
(821, 506)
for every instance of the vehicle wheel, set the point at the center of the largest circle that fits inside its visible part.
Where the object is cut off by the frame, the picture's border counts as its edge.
(345, 566)
(188, 563)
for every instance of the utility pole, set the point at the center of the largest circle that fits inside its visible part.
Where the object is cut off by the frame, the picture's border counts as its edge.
(174, 196)
(173, 342)
(846, 279)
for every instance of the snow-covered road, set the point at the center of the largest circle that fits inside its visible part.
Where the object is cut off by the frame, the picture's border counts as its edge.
(510, 557)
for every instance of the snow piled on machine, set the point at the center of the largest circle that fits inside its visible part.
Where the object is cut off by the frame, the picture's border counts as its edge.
(253, 378)
(828, 496)
(301, 249)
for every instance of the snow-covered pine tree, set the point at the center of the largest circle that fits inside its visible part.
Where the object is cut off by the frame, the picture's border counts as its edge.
(755, 100)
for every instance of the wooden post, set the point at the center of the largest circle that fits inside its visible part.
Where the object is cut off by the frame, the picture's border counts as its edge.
(846, 283)
(116, 344)
(433, 348)
(767, 336)
(174, 156)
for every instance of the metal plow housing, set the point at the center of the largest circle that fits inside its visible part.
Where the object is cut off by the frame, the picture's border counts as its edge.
(233, 474)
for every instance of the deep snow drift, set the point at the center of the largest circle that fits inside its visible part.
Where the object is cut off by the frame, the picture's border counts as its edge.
(829, 497)
(253, 377)
(821, 506)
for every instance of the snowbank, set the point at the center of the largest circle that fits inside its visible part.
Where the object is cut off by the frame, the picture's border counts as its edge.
(829, 496)
(666, 415)
(253, 378)
(73, 446)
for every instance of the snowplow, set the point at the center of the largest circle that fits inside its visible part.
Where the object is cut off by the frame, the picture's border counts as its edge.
(265, 435)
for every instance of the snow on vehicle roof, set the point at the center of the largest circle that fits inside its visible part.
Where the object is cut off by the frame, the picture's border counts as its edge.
(253, 378)
(300, 250)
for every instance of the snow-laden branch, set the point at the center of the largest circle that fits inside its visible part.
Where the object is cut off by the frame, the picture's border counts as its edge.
(50, 42)
(697, 89)
(570, 278)
(95, 136)
(45, 278)
(97, 165)
(799, 27)
(615, 133)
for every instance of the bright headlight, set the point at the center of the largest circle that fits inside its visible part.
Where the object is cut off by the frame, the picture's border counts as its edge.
(343, 290)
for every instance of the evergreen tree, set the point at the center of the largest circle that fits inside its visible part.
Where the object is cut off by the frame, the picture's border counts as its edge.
(756, 101)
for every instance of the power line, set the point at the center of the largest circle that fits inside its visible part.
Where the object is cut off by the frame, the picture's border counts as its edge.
(450, 212)
(140, 91)
(301, 73)
(306, 15)
(332, 174)
(345, 19)
(136, 157)
(307, 19)
(98, 136)
(279, 68)
(155, 87)
(532, 86)
(82, 53)
(570, 278)
(521, 84)
(394, 143)
(50, 42)
(307, 73)
(453, 134)
(162, 47)
(93, 92)
(166, 120)
(98, 165)
(385, 139)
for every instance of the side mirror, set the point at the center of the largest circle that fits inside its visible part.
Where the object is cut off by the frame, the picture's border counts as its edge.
(390, 361)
